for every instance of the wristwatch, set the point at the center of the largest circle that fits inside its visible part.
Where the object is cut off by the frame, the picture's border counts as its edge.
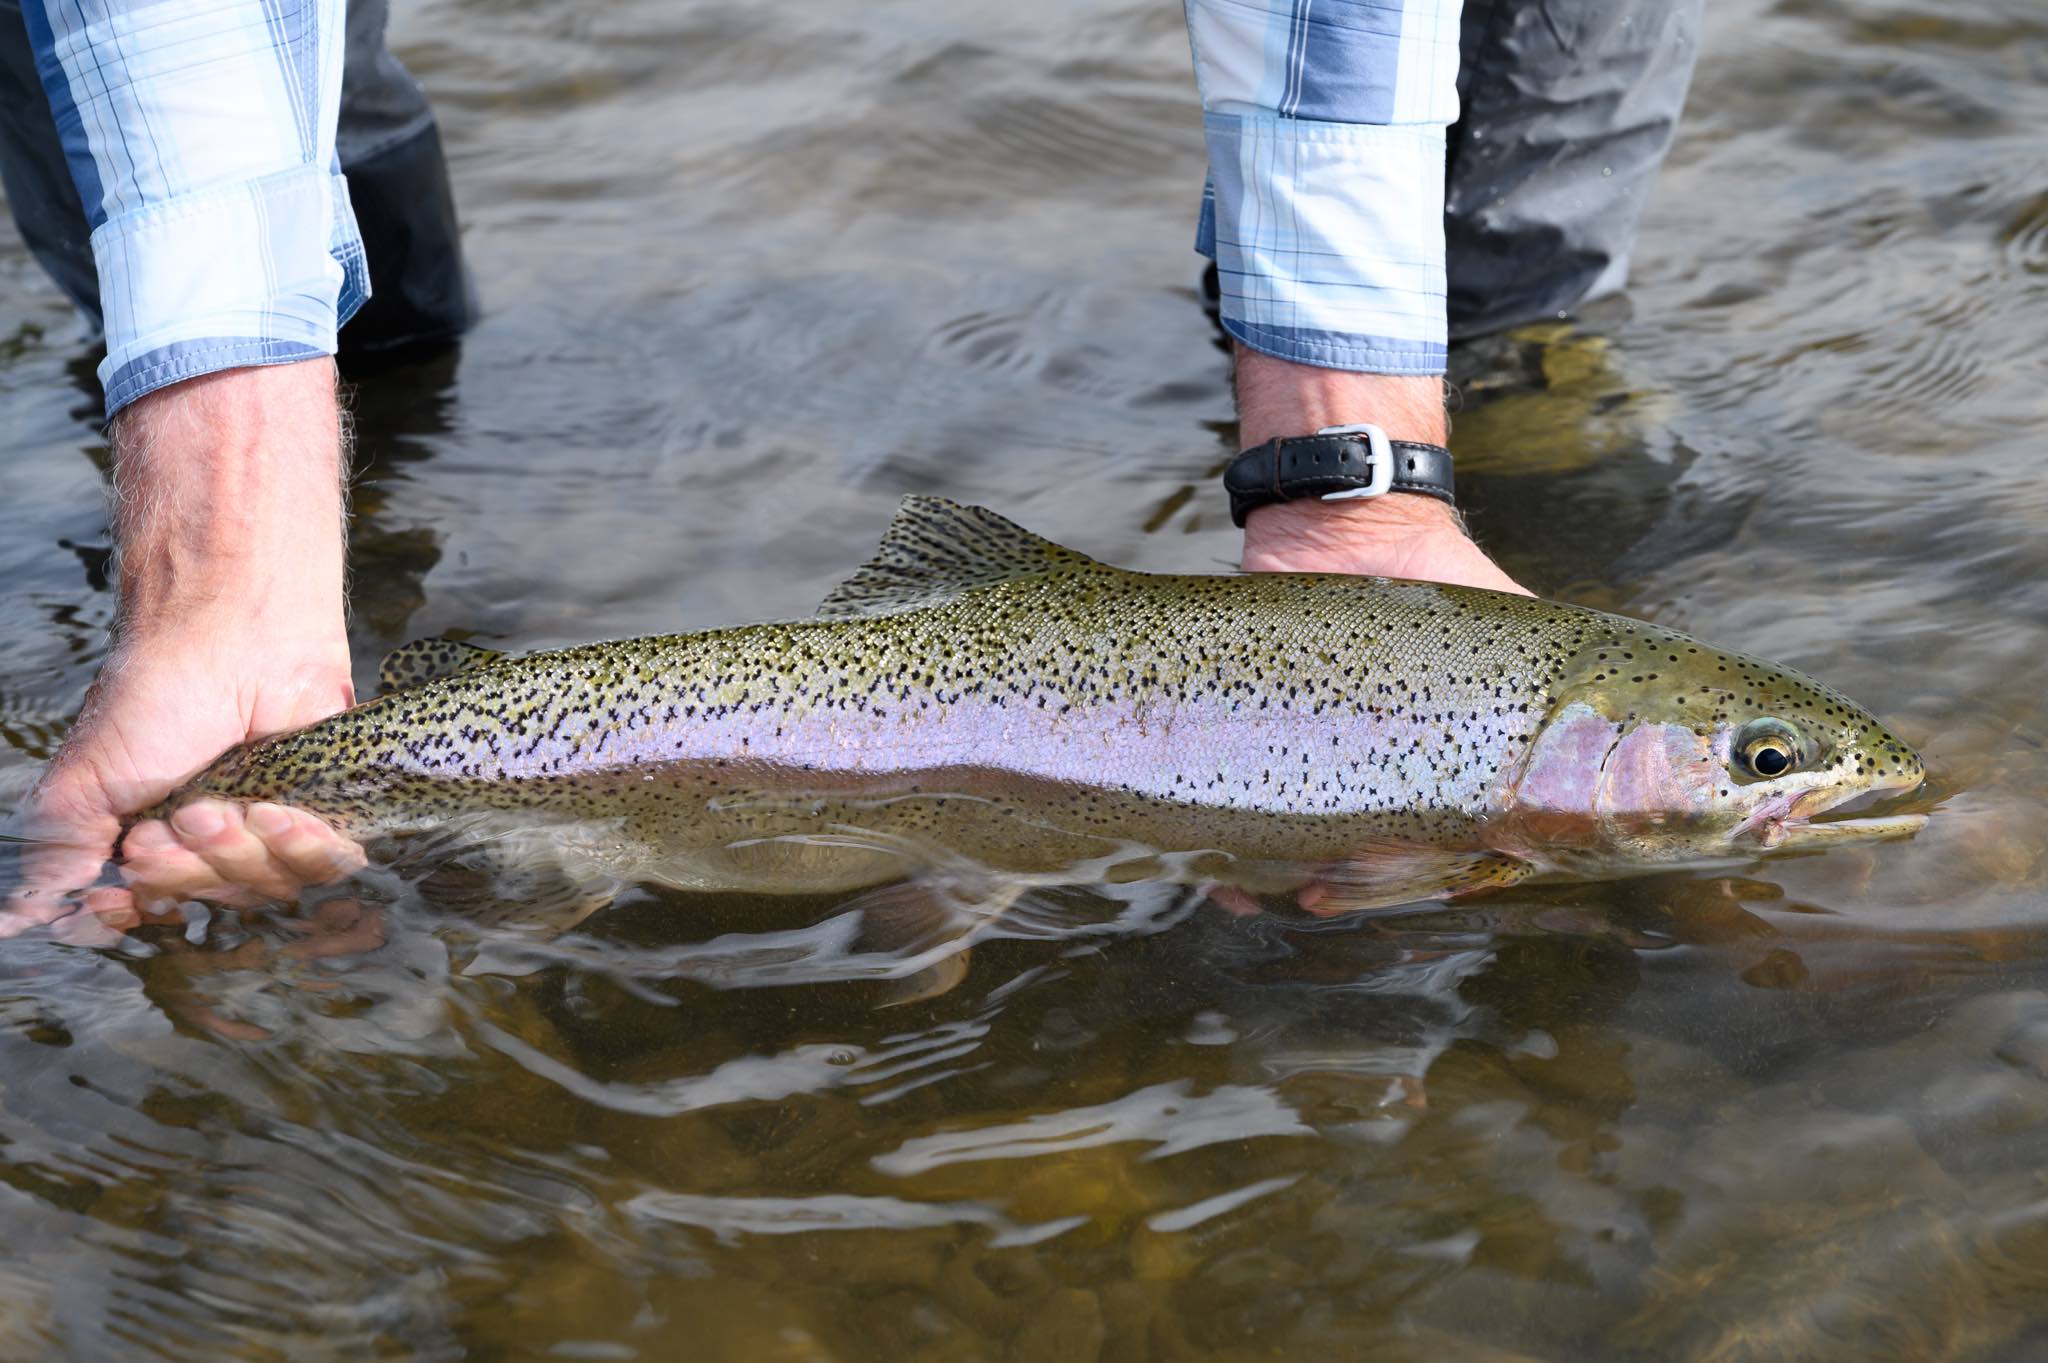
(1337, 463)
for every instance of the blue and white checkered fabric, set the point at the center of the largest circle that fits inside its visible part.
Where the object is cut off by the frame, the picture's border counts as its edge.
(1324, 211)
(201, 135)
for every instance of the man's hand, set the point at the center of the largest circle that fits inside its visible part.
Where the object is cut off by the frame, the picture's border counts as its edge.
(230, 626)
(1396, 535)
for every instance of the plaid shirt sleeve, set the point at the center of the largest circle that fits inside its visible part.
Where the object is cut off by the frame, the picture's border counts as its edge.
(1325, 122)
(201, 136)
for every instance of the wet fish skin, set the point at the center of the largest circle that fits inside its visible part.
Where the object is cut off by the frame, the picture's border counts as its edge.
(977, 690)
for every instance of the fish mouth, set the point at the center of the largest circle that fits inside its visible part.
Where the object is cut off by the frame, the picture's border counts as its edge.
(1822, 818)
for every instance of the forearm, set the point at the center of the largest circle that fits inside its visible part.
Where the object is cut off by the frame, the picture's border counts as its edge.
(228, 507)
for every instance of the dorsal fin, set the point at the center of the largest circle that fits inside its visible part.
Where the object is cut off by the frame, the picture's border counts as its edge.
(425, 660)
(936, 549)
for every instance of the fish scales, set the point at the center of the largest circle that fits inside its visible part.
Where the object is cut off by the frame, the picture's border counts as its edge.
(983, 689)
(1409, 705)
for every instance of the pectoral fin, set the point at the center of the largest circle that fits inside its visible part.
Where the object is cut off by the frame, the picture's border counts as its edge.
(541, 895)
(1383, 876)
(927, 928)
(425, 660)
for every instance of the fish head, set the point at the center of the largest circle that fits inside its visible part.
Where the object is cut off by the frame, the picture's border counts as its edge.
(1661, 750)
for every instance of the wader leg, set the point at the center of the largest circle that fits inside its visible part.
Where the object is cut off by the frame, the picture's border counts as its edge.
(389, 147)
(1568, 109)
(32, 171)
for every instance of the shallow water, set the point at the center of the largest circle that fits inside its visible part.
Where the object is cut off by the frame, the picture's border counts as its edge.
(752, 277)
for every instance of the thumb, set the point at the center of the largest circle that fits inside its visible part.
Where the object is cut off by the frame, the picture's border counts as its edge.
(67, 828)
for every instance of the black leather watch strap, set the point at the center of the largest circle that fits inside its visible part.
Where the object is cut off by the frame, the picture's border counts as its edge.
(1294, 468)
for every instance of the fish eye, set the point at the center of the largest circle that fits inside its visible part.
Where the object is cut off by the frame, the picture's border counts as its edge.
(1767, 748)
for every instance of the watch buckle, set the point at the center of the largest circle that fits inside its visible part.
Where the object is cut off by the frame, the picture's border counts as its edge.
(1382, 462)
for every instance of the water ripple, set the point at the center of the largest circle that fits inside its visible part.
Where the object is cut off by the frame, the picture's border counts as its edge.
(1169, 1118)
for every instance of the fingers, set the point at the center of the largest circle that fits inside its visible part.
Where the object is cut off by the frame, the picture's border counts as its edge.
(159, 867)
(69, 826)
(163, 863)
(52, 874)
(229, 854)
(95, 919)
(234, 854)
(83, 930)
(311, 850)
(340, 927)
(48, 882)
(114, 907)
(1310, 900)
(219, 833)
(1238, 903)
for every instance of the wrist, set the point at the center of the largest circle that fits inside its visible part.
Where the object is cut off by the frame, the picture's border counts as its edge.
(276, 660)
(168, 587)
(1279, 398)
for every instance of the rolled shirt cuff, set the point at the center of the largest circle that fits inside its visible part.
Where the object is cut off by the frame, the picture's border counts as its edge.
(1328, 240)
(257, 271)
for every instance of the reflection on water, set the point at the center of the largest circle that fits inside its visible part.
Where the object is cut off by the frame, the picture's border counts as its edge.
(749, 277)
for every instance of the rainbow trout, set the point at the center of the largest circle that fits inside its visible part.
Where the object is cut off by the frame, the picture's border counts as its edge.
(979, 702)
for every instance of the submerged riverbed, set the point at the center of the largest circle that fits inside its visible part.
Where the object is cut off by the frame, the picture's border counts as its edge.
(749, 277)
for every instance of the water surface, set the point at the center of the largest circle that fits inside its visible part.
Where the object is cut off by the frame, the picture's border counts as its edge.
(751, 276)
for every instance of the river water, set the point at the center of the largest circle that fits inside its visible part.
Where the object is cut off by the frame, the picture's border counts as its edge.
(751, 276)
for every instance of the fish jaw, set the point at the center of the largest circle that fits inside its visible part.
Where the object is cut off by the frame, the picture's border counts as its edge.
(1798, 836)
(1789, 825)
